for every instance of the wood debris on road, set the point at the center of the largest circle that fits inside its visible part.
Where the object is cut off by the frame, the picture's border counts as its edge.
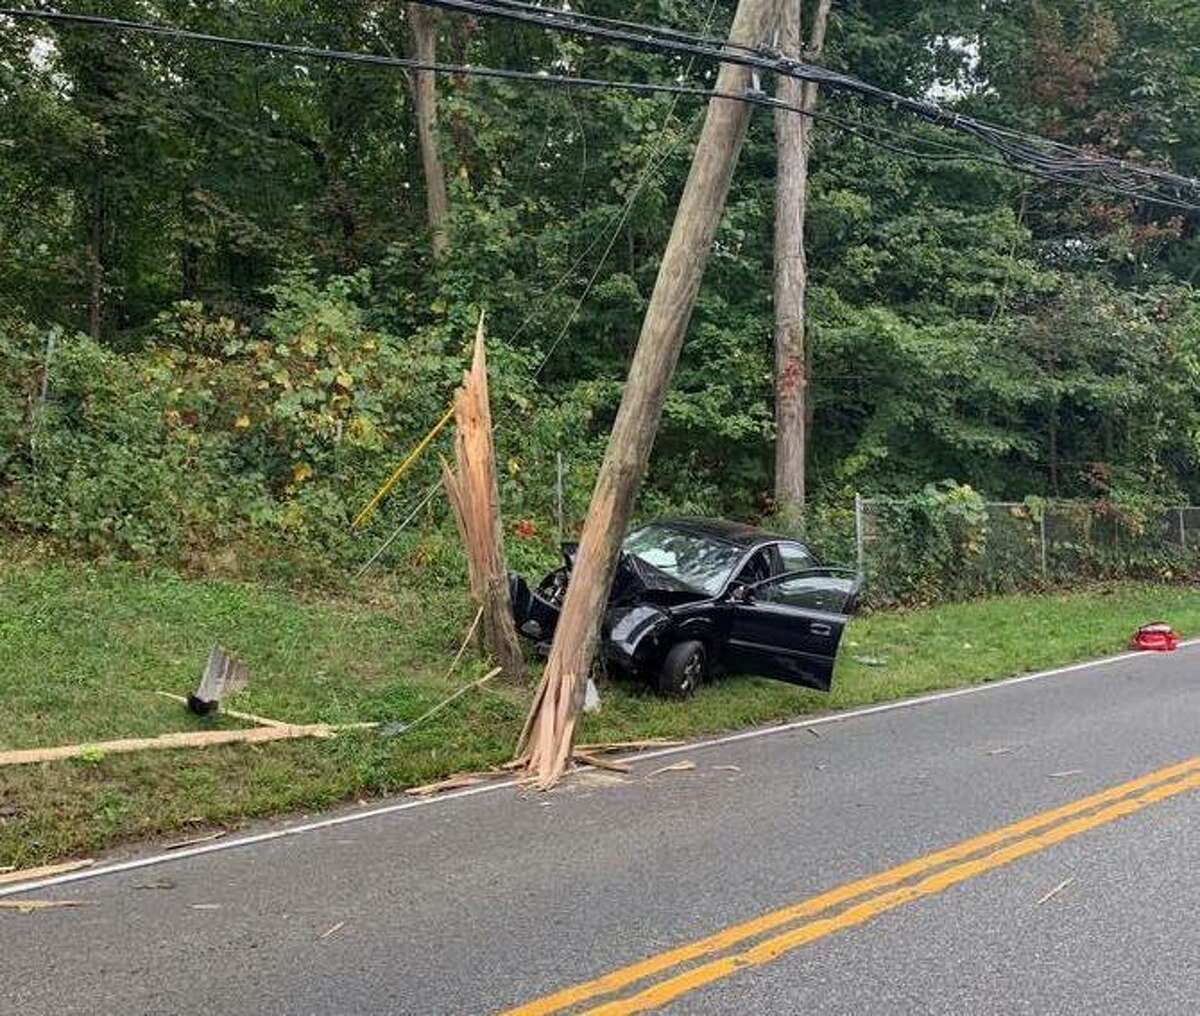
(332, 931)
(453, 783)
(594, 778)
(728, 769)
(611, 746)
(32, 906)
(1064, 774)
(1056, 890)
(599, 763)
(678, 767)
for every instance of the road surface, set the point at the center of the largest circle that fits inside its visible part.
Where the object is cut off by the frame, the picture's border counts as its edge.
(1027, 848)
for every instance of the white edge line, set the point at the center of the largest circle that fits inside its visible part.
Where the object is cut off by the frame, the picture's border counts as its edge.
(747, 735)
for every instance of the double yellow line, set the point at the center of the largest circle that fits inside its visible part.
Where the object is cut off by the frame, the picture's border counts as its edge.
(884, 891)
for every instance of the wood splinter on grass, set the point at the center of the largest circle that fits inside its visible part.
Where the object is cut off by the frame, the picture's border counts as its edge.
(262, 721)
(222, 678)
(196, 841)
(185, 739)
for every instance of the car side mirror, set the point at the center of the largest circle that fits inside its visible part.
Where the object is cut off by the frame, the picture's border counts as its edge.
(740, 593)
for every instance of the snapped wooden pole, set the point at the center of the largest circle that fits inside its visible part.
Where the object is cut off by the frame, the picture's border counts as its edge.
(546, 742)
(474, 492)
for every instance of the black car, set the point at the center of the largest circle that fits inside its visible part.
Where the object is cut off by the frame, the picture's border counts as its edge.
(695, 596)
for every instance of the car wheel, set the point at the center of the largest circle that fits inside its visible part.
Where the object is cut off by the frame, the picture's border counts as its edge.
(683, 670)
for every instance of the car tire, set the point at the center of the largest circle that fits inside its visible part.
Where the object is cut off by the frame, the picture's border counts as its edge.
(683, 670)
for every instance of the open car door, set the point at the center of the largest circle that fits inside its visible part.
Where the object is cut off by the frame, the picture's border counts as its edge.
(789, 627)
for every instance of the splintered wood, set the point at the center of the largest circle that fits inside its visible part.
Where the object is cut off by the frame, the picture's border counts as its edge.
(473, 490)
(187, 739)
(12, 876)
(223, 678)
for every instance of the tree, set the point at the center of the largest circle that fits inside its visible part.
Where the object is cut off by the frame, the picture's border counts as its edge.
(793, 143)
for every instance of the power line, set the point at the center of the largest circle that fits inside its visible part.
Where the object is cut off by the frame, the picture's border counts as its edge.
(656, 31)
(947, 153)
(1056, 160)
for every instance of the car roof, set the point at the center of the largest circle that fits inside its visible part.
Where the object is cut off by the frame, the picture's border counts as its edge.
(738, 533)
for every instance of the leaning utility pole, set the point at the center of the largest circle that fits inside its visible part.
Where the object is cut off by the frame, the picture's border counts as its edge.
(793, 141)
(549, 734)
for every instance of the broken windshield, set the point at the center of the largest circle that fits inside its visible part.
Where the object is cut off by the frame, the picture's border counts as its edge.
(698, 562)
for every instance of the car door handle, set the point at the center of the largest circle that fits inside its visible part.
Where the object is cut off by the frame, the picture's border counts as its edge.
(820, 628)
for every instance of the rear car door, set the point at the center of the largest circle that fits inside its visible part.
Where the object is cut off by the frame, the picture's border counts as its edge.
(789, 627)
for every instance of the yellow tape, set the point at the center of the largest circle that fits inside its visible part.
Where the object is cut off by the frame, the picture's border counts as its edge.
(403, 468)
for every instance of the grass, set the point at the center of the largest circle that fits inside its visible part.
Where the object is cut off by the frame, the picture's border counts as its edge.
(83, 649)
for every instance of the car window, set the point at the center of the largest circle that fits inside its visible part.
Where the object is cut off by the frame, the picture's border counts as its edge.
(796, 557)
(825, 593)
(758, 568)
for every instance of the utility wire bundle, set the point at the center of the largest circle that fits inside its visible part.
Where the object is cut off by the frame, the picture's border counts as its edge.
(1015, 150)
(1024, 152)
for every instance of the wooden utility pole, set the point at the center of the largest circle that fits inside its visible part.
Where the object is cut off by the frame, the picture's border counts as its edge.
(547, 741)
(422, 23)
(475, 497)
(793, 142)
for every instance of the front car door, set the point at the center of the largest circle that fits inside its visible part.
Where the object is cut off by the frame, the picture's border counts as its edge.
(789, 627)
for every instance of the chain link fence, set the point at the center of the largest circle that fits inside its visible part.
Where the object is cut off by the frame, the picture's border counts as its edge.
(928, 548)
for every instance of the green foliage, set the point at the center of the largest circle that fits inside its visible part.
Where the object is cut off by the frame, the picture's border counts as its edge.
(246, 239)
(947, 543)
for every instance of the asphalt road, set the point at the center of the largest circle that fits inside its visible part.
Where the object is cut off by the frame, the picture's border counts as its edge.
(484, 903)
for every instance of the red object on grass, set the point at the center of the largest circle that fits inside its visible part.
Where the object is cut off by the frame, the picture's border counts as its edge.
(1158, 637)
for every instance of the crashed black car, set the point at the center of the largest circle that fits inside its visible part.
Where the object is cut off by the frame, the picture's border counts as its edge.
(694, 597)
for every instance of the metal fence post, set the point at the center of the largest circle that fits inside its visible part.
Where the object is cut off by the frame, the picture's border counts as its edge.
(559, 493)
(859, 539)
(1045, 569)
(1182, 531)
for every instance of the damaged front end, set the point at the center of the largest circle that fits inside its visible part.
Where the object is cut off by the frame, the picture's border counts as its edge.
(630, 628)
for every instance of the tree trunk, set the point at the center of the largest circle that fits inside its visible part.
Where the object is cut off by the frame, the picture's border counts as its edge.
(189, 253)
(793, 140)
(96, 260)
(423, 24)
(549, 734)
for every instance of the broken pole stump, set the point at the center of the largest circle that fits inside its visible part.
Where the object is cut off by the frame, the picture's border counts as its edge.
(474, 492)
